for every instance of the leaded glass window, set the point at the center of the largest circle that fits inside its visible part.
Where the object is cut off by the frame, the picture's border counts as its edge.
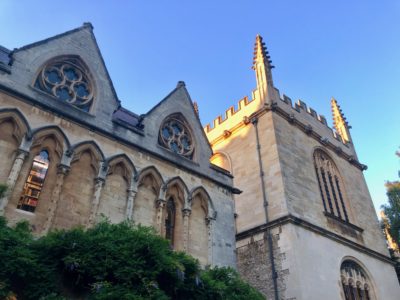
(355, 282)
(67, 80)
(175, 135)
(34, 183)
(330, 186)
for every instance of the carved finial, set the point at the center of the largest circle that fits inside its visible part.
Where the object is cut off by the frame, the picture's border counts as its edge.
(196, 107)
(339, 121)
(262, 66)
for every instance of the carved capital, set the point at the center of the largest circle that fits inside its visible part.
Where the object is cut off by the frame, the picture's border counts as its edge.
(63, 169)
(186, 212)
(160, 203)
(99, 181)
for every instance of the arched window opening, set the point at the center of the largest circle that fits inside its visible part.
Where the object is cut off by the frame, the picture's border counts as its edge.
(356, 284)
(34, 183)
(67, 80)
(170, 221)
(330, 186)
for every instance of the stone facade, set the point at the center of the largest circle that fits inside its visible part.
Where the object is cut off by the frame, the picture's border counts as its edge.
(58, 109)
(304, 196)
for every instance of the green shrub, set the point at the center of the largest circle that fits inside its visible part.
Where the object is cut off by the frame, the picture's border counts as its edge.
(108, 261)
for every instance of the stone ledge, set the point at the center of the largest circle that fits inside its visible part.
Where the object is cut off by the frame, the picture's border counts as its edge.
(316, 229)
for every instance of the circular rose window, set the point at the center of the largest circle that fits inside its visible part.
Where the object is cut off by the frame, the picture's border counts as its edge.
(175, 136)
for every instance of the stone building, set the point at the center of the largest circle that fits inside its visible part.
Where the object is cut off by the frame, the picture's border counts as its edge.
(71, 153)
(306, 224)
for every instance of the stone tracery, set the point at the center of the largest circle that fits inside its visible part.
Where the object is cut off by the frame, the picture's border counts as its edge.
(67, 80)
(175, 135)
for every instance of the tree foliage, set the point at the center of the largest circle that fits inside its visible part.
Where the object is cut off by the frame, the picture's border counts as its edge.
(108, 261)
(392, 210)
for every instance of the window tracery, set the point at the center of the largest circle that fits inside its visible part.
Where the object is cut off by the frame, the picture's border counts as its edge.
(175, 135)
(67, 80)
(34, 183)
(355, 283)
(330, 186)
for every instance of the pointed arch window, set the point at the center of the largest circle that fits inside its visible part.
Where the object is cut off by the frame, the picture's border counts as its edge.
(67, 79)
(34, 183)
(170, 220)
(176, 136)
(355, 282)
(330, 186)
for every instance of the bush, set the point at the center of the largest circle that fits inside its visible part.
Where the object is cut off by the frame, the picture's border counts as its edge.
(108, 261)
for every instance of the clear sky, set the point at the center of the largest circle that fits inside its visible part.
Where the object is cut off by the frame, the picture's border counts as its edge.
(346, 49)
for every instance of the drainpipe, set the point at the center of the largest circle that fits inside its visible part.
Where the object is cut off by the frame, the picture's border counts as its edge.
(254, 121)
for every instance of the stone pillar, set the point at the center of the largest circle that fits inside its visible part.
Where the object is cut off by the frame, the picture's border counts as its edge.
(62, 171)
(99, 183)
(12, 178)
(186, 214)
(160, 204)
(130, 203)
(209, 223)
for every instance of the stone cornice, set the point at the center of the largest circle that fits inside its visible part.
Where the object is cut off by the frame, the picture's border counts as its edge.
(290, 219)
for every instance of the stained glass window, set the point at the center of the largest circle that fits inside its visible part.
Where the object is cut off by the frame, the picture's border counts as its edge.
(67, 80)
(34, 183)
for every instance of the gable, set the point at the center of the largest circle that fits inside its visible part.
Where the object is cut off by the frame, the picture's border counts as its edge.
(178, 105)
(75, 45)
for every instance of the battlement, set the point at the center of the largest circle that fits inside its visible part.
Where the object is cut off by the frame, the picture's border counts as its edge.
(297, 113)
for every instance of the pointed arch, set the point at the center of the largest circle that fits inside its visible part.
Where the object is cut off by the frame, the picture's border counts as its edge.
(331, 186)
(41, 133)
(149, 182)
(18, 118)
(201, 191)
(78, 147)
(153, 171)
(130, 170)
(178, 181)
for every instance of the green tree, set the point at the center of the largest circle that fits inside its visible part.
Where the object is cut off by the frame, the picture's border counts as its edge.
(392, 210)
(108, 261)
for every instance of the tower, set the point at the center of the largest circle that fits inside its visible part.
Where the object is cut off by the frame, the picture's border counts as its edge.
(306, 227)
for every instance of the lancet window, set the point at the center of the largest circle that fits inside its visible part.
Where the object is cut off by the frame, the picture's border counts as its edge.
(330, 186)
(175, 136)
(67, 80)
(34, 183)
(355, 283)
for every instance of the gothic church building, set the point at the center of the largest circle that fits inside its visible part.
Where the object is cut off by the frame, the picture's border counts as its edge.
(304, 226)
(70, 153)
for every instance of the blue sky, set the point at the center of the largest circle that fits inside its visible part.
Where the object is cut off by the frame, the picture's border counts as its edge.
(346, 49)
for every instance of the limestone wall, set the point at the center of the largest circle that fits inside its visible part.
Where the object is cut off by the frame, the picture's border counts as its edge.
(95, 183)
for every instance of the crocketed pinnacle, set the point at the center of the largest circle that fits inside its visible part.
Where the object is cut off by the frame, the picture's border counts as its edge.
(262, 67)
(339, 121)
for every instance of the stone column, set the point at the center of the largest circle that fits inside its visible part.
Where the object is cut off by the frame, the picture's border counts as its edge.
(62, 171)
(186, 214)
(12, 178)
(99, 183)
(130, 203)
(209, 223)
(160, 204)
